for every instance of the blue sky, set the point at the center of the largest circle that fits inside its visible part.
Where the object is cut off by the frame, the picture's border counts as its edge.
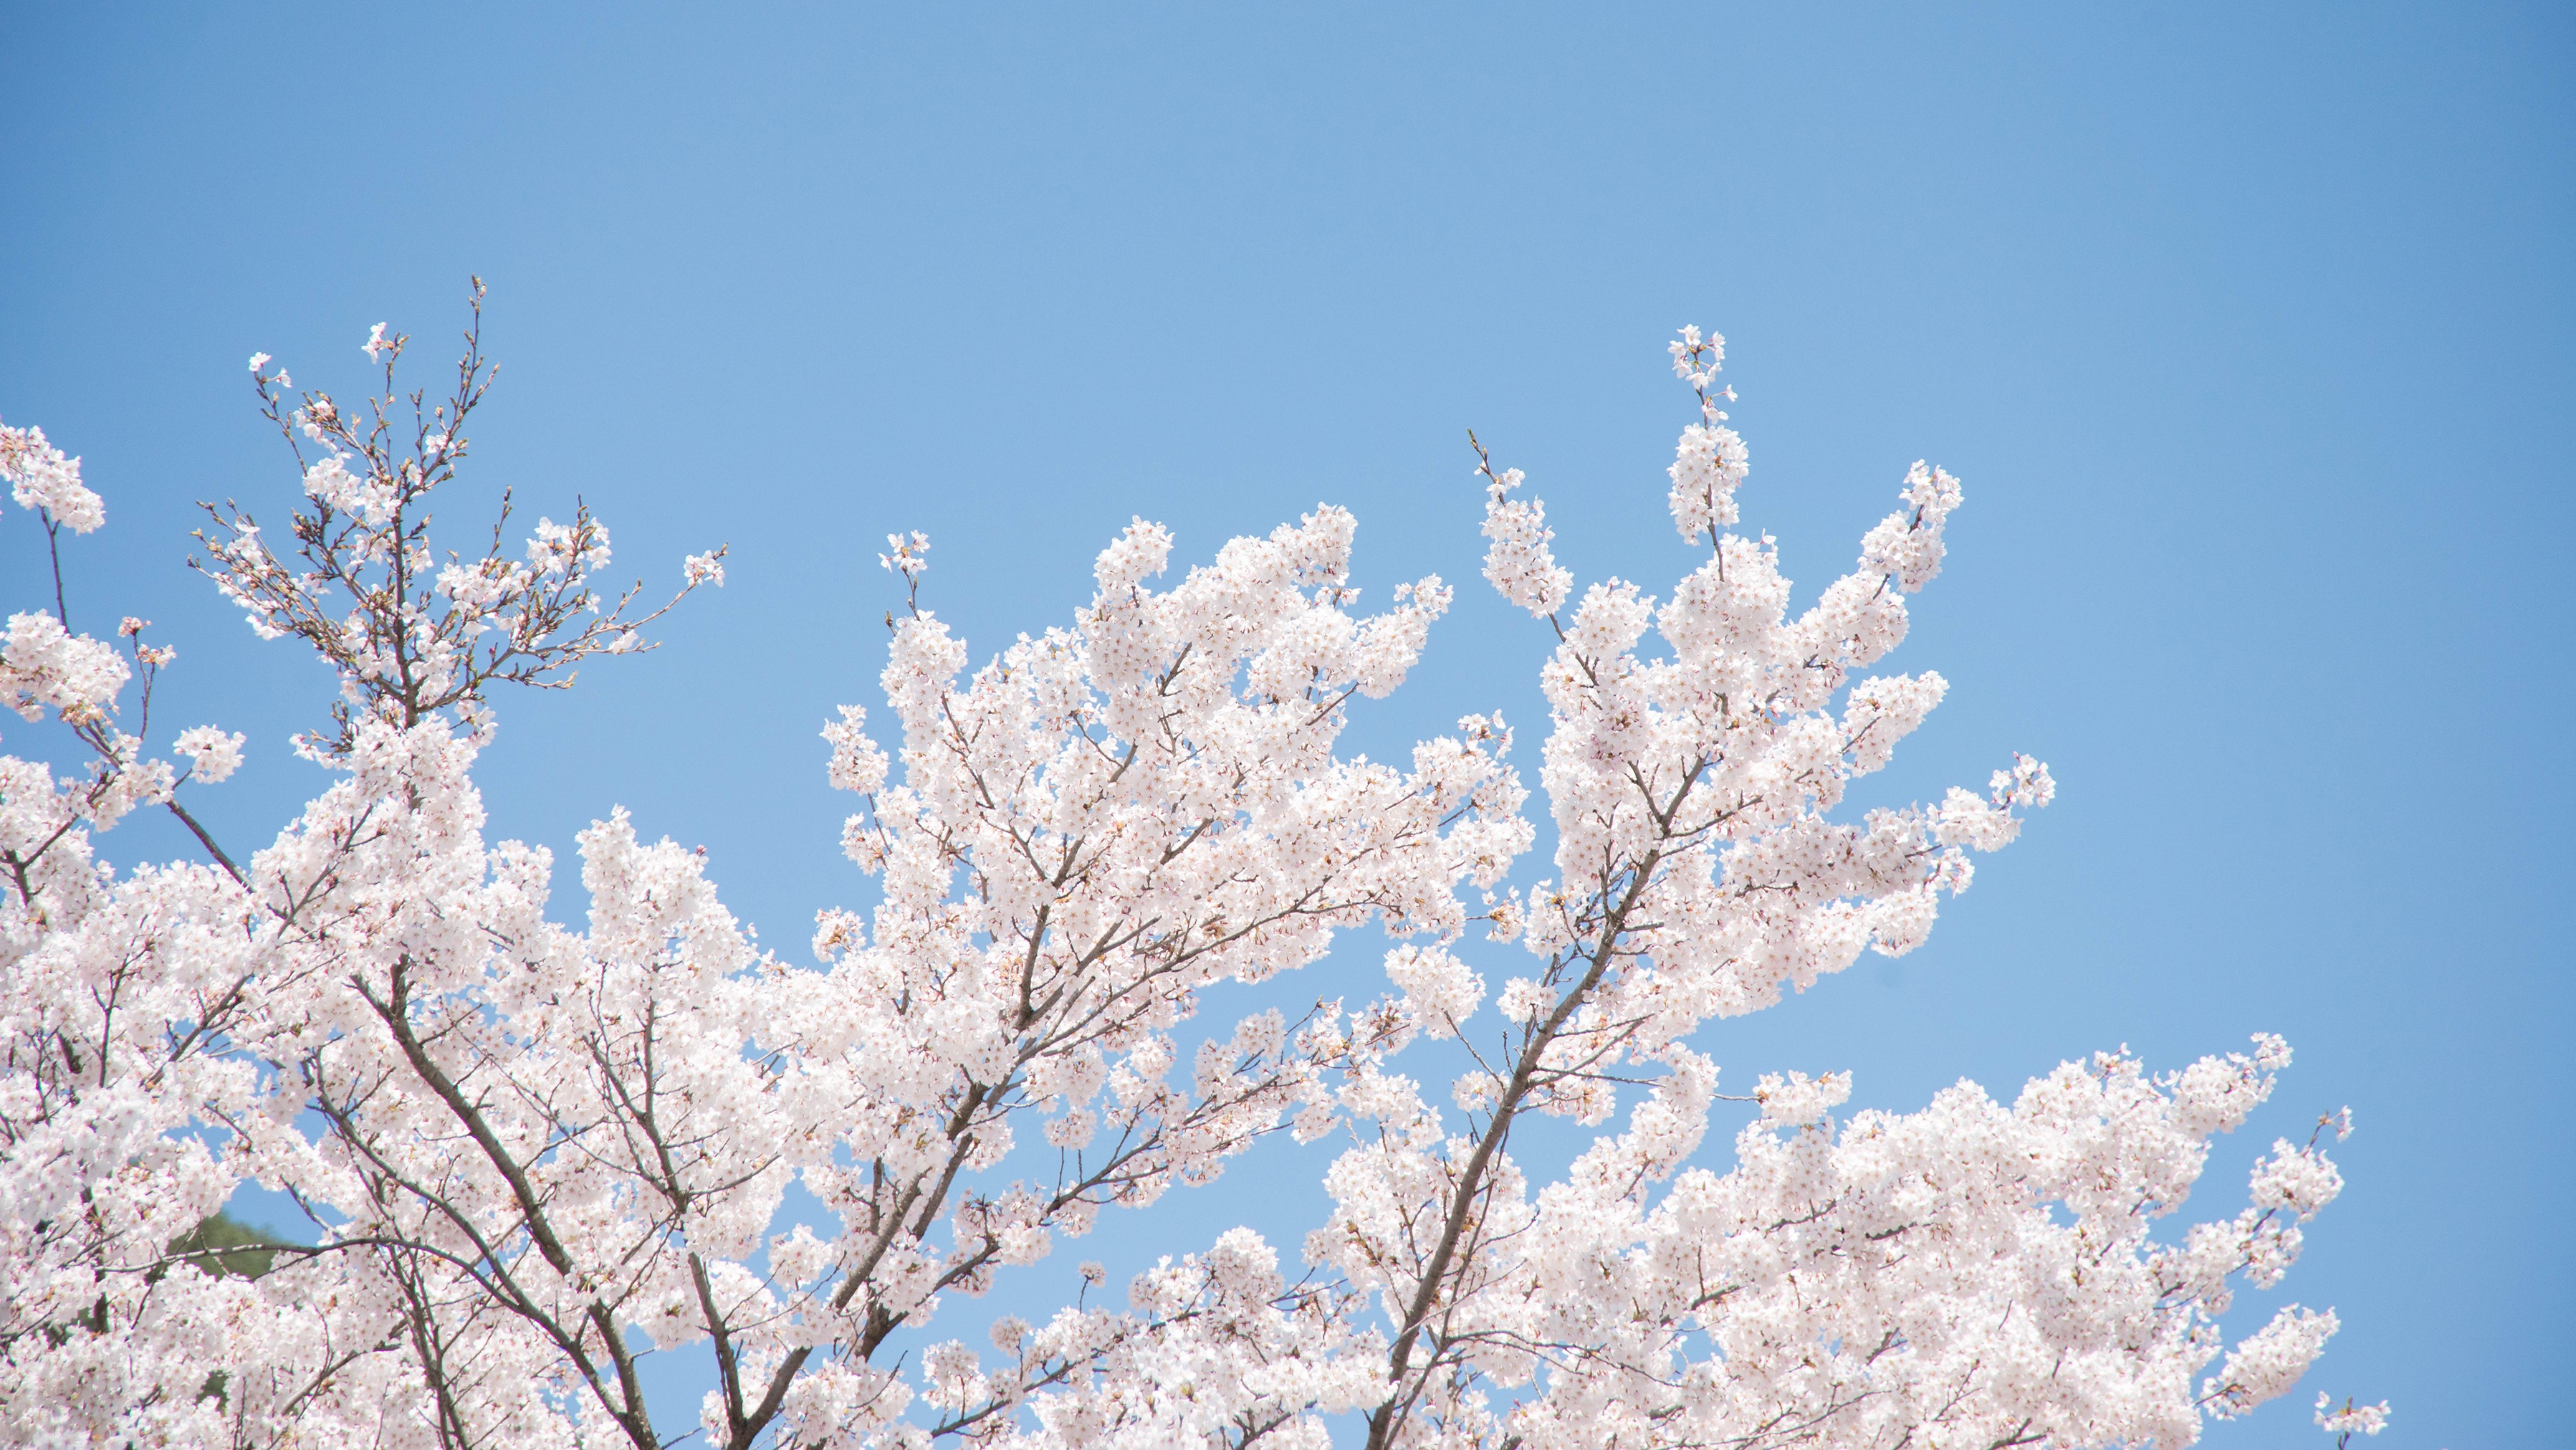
(2250, 334)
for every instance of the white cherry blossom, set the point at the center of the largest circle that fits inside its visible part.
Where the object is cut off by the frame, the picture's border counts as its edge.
(534, 1153)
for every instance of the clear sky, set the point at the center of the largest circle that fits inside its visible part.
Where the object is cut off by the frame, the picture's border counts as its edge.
(2250, 334)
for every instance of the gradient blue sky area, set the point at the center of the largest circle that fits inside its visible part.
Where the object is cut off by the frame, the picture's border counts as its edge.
(2248, 328)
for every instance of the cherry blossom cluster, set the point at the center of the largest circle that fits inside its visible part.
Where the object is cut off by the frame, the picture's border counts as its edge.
(410, 633)
(42, 479)
(534, 1155)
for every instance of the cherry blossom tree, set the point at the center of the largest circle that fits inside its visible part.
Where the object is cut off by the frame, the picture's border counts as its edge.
(534, 1155)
